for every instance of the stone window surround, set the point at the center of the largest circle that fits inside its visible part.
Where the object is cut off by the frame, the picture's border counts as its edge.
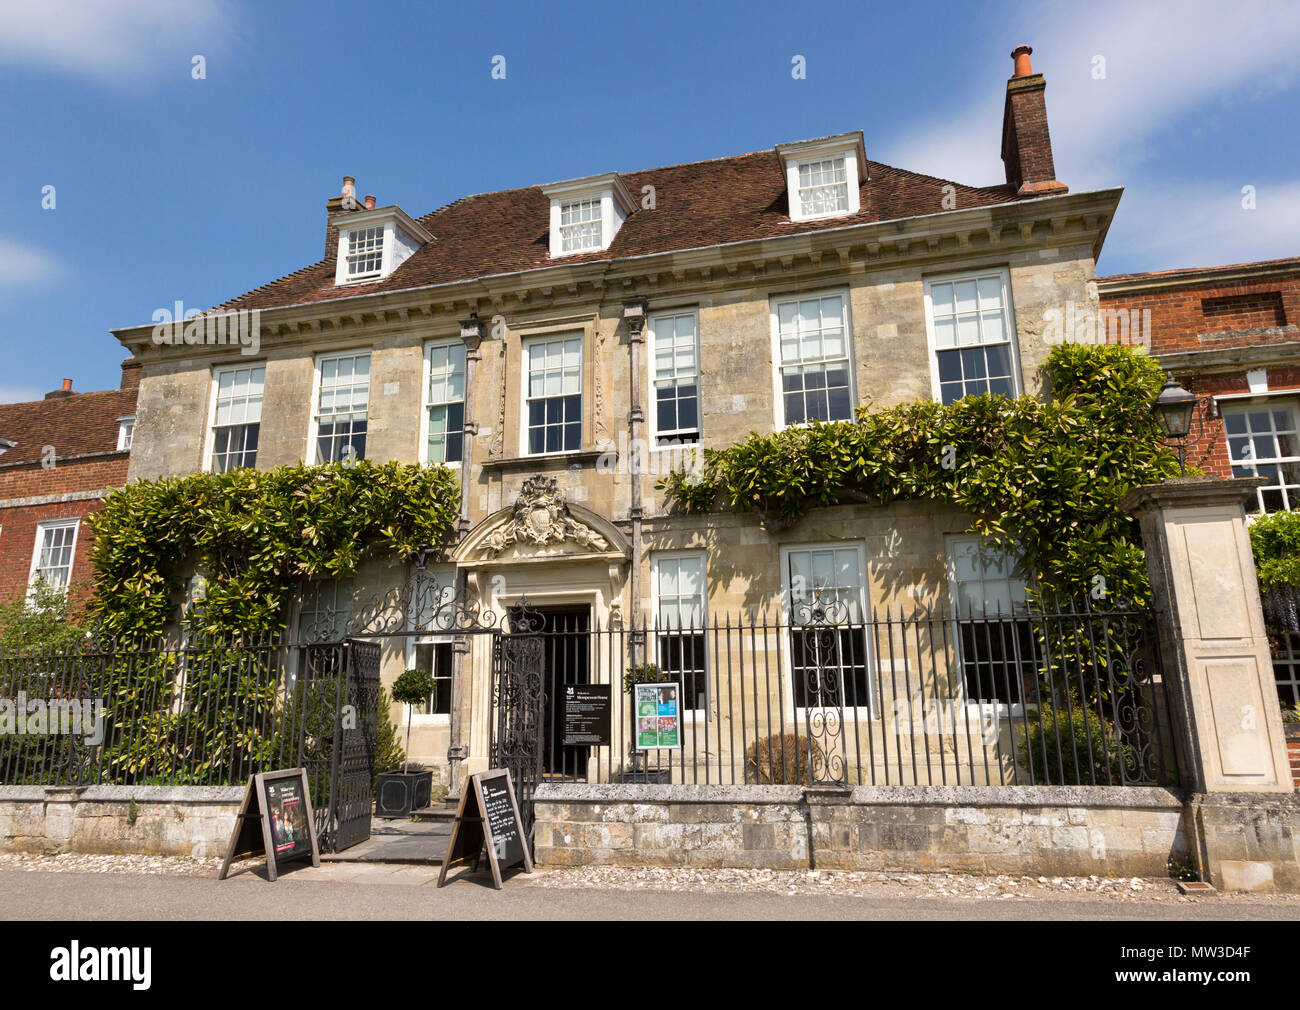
(209, 438)
(651, 408)
(1008, 302)
(447, 577)
(859, 713)
(312, 451)
(652, 654)
(845, 293)
(512, 360)
(426, 405)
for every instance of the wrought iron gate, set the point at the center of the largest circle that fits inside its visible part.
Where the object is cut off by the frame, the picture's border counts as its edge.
(340, 693)
(518, 699)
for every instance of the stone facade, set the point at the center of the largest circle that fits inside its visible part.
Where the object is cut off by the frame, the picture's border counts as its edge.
(1046, 249)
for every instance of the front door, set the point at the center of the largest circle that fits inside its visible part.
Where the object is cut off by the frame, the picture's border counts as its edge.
(566, 658)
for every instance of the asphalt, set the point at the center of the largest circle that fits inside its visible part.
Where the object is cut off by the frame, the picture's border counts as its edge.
(386, 891)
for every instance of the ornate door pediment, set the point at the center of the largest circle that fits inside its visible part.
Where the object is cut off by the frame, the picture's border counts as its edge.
(542, 525)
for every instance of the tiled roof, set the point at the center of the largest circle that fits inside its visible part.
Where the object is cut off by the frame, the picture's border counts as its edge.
(78, 425)
(1158, 275)
(703, 203)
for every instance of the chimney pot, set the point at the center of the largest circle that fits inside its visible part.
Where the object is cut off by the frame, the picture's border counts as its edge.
(370, 201)
(67, 385)
(349, 185)
(1022, 68)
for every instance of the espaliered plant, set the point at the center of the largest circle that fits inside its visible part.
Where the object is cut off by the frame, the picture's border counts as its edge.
(1041, 478)
(255, 535)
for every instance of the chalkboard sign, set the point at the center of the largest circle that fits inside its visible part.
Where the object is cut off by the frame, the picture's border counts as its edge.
(587, 715)
(275, 820)
(487, 819)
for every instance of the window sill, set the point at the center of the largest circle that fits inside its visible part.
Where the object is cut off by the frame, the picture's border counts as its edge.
(545, 461)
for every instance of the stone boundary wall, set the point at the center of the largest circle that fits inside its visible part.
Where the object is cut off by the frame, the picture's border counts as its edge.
(1073, 830)
(168, 820)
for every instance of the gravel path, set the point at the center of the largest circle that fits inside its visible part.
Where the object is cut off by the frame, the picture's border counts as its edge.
(802, 883)
(76, 862)
(883, 885)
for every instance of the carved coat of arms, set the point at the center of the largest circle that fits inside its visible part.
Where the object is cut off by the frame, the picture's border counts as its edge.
(540, 517)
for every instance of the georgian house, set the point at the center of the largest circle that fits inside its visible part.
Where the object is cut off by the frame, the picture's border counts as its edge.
(539, 340)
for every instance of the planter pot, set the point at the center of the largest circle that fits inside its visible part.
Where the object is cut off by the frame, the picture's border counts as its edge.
(398, 794)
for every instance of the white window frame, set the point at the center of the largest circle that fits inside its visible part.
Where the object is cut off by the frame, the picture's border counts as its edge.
(210, 442)
(125, 433)
(1292, 407)
(653, 400)
(41, 528)
(525, 399)
(426, 405)
(591, 212)
(778, 387)
(1008, 308)
(998, 709)
(445, 578)
(376, 238)
(860, 712)
(313, 423)
(656, 558)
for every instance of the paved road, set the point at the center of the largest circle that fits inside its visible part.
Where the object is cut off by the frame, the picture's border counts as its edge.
(409, 893)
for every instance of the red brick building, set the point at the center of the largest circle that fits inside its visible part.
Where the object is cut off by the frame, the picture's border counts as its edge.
(1231, 335)
(58, 458)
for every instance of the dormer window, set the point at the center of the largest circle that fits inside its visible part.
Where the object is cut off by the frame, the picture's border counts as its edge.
(373, 243)
(580, 226)
(586, 214)
(823, 176)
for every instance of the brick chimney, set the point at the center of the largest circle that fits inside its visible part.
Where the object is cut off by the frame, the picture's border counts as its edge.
(59, 393)
(344, 203)
(1026, 143)
(130, 373)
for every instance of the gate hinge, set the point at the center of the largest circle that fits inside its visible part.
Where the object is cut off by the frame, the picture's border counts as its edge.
(460, 753)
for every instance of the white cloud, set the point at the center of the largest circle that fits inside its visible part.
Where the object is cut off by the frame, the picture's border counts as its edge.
(23, 264)
(111, 40)
(1165, 63)
(18, 394)
(1165, 226)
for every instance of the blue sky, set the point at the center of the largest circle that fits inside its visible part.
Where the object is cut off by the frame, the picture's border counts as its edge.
(173, 188)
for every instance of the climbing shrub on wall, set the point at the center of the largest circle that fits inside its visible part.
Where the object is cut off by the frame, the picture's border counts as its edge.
(1041, 478)
(255, 535)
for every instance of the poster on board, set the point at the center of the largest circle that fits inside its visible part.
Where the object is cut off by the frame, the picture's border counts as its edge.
(275, 819)
(658, 711)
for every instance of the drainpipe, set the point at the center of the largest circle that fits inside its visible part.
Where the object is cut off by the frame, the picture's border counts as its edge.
(471, 332)
(634, 312)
